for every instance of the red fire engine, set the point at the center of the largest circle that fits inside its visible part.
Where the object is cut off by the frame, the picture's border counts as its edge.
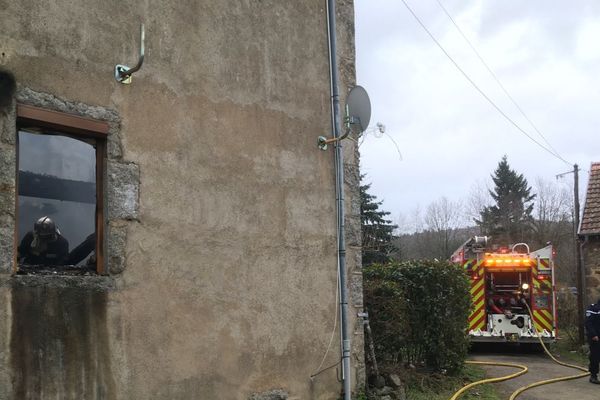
(502, 281)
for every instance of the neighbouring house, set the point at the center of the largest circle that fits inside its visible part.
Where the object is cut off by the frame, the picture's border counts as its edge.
(198, 211)
(589, 232)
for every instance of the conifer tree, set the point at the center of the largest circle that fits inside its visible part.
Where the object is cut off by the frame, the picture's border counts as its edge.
(509, 220)
(377, 230)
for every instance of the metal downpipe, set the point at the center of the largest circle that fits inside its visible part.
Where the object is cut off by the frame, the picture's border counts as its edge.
(339, 182)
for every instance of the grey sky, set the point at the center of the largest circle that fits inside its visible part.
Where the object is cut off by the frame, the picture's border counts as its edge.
(546, 53)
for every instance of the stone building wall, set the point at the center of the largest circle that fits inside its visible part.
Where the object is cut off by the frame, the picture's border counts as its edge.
(220, 209)
(591, 262)
(346, 60)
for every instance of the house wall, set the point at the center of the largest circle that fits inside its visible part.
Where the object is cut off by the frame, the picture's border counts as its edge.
(222, 271)
(591, 262)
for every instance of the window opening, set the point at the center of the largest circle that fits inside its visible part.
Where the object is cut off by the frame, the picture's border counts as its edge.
(59, 199)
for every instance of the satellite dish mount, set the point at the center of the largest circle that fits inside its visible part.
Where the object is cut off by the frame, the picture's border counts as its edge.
(356, 118)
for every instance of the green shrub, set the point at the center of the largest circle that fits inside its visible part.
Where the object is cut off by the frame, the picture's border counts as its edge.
(418, 312)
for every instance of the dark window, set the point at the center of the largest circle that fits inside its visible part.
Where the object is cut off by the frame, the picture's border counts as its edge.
(60, 207)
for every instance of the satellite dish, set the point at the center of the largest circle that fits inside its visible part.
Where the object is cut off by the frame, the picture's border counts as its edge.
(358, 109)
(357, 118)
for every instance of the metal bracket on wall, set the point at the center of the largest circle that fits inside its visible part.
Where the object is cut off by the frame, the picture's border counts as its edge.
(323, 142)
(123, 72)
(358, 115)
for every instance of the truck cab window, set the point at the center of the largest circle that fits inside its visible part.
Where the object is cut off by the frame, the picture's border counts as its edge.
(56, 202)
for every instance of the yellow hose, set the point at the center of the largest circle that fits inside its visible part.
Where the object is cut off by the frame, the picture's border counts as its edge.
(546, 382)
(491, 380)
(517, 392)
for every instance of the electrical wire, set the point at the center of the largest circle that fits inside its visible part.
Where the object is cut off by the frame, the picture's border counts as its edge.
(395, 144)
(485, 64)
(364, 135)
(477, 87)
(325, 369)
(318, 369)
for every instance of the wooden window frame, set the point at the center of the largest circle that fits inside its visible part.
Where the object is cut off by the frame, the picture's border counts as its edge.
(86, 128)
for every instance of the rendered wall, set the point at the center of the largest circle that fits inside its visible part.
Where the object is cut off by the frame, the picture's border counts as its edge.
(223, 275)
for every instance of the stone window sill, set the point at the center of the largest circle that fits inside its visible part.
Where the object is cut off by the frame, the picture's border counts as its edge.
(91, 282)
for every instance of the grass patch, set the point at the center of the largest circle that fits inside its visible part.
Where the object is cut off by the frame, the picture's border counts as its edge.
(441, 387)
(567, 349)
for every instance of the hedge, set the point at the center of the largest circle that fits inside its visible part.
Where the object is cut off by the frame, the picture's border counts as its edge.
(418, 312)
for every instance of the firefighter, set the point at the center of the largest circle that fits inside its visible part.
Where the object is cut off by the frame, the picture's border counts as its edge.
(44, 245)
(83, 250)
(592, 326)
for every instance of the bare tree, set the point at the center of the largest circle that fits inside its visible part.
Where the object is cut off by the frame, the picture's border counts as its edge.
(403, 224)
(442, 218)
(443, 214)
(435, 233)
(554, 204)
(478, 199)
(411, 228)
(553, 223)
(417, 219)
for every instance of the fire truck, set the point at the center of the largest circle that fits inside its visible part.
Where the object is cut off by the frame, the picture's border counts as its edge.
(504, 281)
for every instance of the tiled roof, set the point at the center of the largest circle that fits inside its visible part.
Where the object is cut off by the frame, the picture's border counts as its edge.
(590, 222)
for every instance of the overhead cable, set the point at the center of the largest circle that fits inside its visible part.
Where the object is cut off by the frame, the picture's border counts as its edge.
(485, 64)
(477, 87)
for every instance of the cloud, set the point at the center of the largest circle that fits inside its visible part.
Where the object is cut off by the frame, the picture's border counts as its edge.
(545, 54)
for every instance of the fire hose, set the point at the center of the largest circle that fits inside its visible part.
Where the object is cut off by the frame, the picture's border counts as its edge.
(523, 368)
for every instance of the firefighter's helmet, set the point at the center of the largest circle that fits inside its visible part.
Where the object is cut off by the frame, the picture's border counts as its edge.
(44, 227)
